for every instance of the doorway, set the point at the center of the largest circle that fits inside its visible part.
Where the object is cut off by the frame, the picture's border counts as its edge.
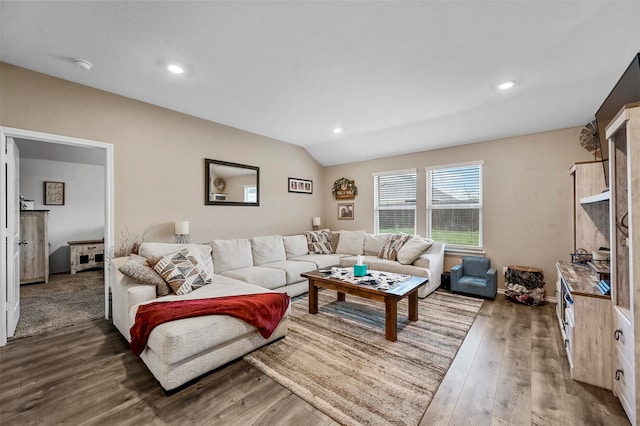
(41, 143)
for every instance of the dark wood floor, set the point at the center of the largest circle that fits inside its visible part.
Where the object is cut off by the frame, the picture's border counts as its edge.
(511, 370)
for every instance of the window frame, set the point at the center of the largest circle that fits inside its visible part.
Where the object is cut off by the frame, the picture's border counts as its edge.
(245, 190)
(479, 206)
(376, 207)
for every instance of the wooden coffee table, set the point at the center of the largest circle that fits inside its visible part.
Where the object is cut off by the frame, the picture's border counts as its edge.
(408, 288)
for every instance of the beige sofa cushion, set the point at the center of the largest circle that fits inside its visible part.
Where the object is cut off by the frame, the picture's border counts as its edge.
(154, 251)
(412, 249)
(231, 254)
(373, 244)
(398, 268)
(175, 341)
(293, 269)
(295, 245)
(267, 249)
(351, 242)
(259, 275)
(322, 261)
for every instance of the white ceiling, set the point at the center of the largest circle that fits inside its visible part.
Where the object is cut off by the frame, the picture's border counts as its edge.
(398, 76)
(60, 152)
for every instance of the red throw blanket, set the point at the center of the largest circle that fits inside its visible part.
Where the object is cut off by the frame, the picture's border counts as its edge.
(263, 310)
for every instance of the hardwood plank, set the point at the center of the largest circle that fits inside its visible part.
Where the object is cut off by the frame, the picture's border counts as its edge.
(444, 402)
(510, 368)
(512, 403)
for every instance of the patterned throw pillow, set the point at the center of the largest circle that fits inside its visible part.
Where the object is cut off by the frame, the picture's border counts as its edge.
(137, 268)
(182, 271)
(319, 242)
(393, 246)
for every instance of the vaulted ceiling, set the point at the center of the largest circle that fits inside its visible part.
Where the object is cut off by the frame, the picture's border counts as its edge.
(395, 76)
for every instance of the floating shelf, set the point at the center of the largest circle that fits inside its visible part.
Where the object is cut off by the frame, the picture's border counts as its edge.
(603, 196)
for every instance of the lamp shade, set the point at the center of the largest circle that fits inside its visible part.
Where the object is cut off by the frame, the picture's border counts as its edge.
(181, 228)
(315, 221)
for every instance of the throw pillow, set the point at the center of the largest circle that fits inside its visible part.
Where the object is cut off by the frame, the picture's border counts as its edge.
(152, 250)
(412, 249)
(374, 243)
(393, 246)
(180, 270)
(335, 238)
(351, 242)
(137, 268)
(319, 242)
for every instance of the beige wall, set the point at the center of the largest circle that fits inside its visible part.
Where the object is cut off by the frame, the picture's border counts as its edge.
(528, 199)
(159, 159)
(159, 173)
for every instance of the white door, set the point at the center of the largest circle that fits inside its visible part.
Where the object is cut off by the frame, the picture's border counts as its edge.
(13, 237)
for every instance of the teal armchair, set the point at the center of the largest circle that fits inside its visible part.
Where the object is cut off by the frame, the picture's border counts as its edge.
(475, 277)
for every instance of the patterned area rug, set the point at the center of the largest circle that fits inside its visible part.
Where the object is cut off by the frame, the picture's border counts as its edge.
(65, 300)
(339, 361)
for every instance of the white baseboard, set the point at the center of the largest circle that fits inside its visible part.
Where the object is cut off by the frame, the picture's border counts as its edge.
(549, 299)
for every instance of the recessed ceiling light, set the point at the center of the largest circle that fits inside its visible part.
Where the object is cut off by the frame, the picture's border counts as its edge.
(337, 130)
(176, 69)
(507, 85)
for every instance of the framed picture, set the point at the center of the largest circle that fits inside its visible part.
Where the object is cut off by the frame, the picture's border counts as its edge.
(54, 193)
(346, 211)
(302, 186)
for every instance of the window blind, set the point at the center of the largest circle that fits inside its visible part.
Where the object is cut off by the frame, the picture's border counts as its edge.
(454, 205)
(395, 202)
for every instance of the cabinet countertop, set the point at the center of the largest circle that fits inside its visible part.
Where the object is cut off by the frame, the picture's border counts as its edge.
(581, 279)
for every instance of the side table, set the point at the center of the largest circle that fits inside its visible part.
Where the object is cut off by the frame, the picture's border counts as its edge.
(86, 254)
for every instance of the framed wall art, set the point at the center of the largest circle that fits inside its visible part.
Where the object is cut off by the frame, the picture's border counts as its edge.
(346, 211)
(54, 193)
(303, 186)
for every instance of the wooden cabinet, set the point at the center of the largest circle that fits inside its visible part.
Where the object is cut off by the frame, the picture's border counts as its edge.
(590, 206)
(86, 254)
(585, 320)
(583, 312)
(34, 246)
(623, 135)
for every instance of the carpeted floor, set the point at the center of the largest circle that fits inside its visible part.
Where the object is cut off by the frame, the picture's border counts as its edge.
(65, 300)
(340, 362)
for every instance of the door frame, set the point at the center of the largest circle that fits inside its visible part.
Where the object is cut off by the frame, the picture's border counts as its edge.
(108, 205)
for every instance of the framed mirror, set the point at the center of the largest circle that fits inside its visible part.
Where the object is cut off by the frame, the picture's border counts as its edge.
(231, 184)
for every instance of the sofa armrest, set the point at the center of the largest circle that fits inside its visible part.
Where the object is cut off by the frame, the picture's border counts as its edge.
(456, 273)
(125, 293)
(433, 260)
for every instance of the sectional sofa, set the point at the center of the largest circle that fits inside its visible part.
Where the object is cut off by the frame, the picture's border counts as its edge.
(182, 350)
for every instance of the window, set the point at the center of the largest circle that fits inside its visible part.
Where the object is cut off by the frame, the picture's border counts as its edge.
(250, 194)
(395, 201)
(454, 205)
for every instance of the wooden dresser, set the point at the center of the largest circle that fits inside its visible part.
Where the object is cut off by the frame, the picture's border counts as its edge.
(34, 246)
(86, 254)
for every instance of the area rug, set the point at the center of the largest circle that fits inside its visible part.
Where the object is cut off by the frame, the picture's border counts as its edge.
(340, 362)
(65, 300)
